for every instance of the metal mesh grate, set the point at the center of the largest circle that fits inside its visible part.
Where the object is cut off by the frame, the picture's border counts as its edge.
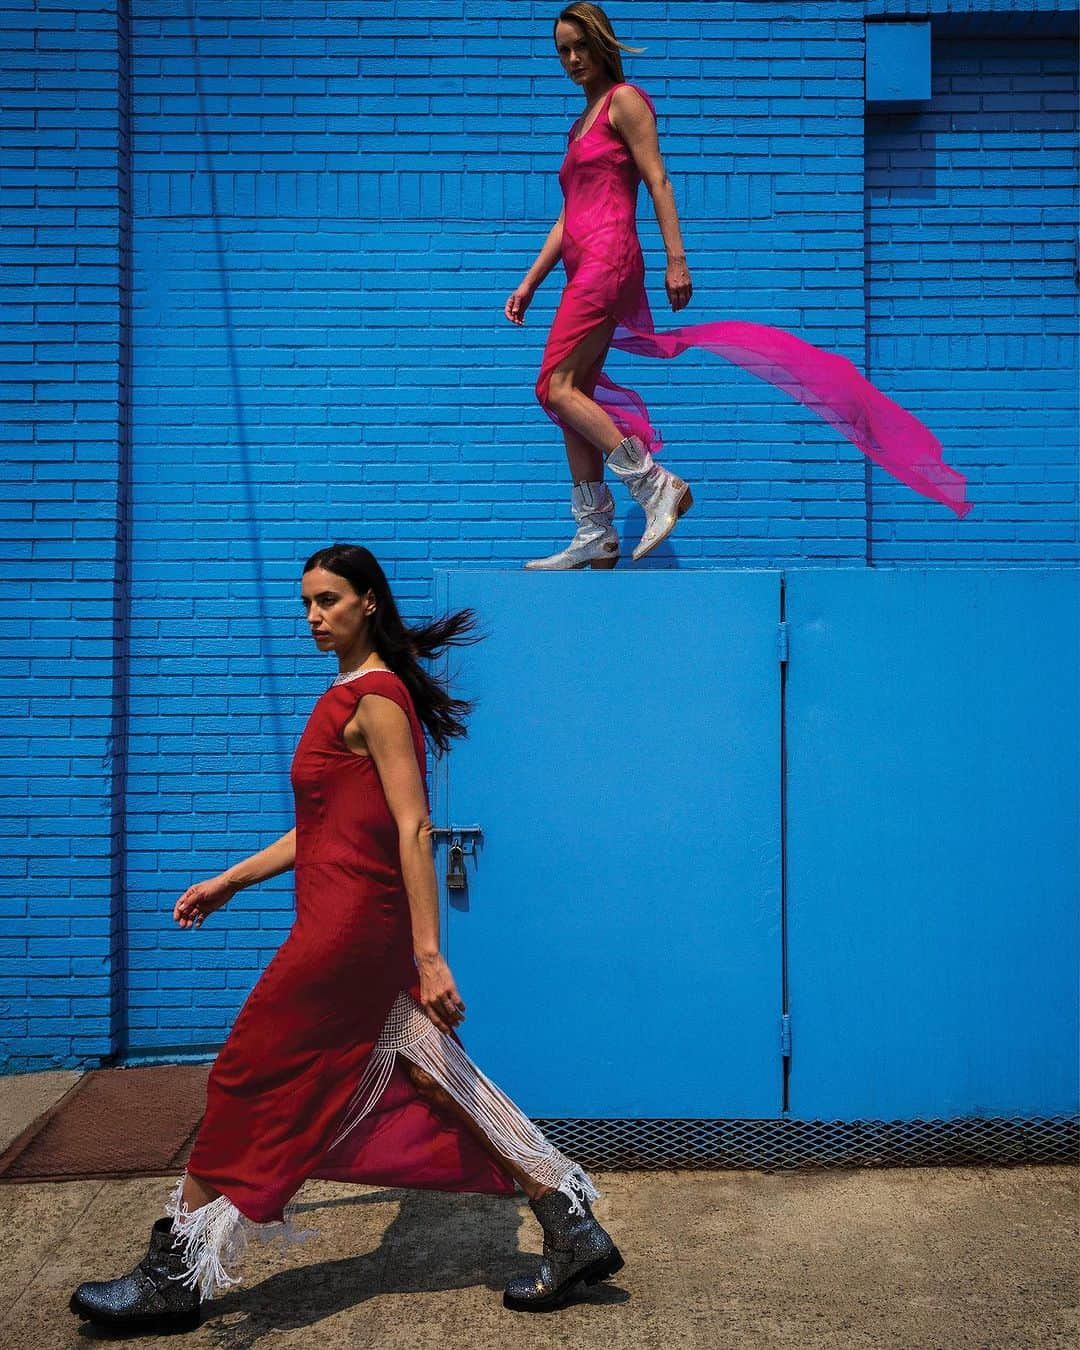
(773, 1145)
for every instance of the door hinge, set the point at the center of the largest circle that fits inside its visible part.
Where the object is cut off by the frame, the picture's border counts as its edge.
(782, 641)
(785, 1035)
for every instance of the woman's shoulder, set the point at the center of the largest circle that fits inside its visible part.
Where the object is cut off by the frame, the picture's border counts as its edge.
(386, 684)
(628, 102)
(631, 95)
(350, 692)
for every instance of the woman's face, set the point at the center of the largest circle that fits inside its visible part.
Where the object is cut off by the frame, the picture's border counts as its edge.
(576, 55)
(336, 615)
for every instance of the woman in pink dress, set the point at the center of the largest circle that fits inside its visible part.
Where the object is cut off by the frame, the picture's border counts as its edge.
(611, 149)
(344, 1062)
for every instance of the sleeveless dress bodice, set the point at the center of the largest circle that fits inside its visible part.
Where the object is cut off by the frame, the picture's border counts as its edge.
(342, 818)
(600, 182)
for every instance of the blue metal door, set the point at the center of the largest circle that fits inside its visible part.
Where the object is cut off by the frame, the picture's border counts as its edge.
(932, 842)
(618, 945)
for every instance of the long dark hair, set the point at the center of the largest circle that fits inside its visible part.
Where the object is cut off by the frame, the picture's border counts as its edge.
(402, 647)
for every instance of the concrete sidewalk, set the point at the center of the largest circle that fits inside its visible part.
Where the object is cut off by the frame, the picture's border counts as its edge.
(941, 1258)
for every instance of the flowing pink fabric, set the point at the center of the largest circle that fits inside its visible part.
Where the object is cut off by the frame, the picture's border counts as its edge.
(606, 280)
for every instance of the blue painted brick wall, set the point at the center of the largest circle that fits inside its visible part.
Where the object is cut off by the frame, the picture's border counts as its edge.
(985, 14)
(329, 204)
(972, 295)
(329, 214)
(63, 447)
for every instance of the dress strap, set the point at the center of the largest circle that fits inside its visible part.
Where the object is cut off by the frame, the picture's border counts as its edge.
(626, 84)
(607, 101)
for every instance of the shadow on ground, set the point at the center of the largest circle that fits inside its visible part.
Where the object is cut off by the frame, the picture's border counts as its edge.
(433, 1243)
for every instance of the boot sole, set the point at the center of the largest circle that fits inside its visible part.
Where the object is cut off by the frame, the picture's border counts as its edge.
(163, 1323)
(686, 501)
(598, 564)
(594, 1273)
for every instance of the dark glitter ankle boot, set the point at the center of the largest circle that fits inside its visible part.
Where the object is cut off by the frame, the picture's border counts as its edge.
(576, 1251)
(151, 1297)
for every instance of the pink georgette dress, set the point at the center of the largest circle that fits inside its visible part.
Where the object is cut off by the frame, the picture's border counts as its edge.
(606, 280)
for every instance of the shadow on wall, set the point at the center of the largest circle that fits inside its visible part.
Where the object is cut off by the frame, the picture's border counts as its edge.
(269, 665)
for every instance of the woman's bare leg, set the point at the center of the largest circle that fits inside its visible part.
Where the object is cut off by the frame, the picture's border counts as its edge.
(585, 460)
(589, 432)
(430, 1089)
(576, 1247)
(197, 1193)
(662, 495)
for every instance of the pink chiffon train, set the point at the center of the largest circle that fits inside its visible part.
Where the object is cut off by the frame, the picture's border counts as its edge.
(606, 281)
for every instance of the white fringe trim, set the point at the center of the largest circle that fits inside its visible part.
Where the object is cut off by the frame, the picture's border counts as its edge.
(216, 1235)
(409, 1032)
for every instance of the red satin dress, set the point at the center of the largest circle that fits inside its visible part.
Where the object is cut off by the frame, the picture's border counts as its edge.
(606, 280)
(282, 1085)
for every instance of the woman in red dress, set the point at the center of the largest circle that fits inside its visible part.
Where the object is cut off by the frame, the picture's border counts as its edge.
(344, 1062)
(611, 148)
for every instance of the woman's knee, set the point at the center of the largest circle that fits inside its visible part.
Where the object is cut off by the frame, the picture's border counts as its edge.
(423, 1081)
(555, 393)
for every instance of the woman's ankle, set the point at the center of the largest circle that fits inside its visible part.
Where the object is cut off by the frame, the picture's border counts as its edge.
(197, 1193)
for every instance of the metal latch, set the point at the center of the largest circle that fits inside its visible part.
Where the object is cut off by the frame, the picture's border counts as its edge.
(463, 839)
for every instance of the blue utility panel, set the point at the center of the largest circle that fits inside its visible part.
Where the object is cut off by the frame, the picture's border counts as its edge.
(932, 850)
(897, 62)
(619, 942)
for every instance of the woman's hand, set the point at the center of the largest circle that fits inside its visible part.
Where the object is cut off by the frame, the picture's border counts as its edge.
(677, 283)
(200, 900)
(439, 997)
(518, 303)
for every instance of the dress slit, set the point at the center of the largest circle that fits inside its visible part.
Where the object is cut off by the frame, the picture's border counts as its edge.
(411, 1033)
(215, 1235)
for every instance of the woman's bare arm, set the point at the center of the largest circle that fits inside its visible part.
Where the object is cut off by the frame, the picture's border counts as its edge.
(546, 259)
(549, 254)
(632, 118)
(200, 900)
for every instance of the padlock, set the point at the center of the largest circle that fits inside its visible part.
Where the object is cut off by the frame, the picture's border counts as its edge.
(455, 869)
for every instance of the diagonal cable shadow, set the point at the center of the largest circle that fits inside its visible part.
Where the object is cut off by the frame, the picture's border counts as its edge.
(273, 701)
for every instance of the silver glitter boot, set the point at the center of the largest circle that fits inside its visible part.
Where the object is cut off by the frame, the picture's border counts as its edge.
(576, 1250)
(661, 495)
(151, 1297)
(596, 544)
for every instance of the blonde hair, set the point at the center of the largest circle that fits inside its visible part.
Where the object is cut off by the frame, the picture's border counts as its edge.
(599, 34)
